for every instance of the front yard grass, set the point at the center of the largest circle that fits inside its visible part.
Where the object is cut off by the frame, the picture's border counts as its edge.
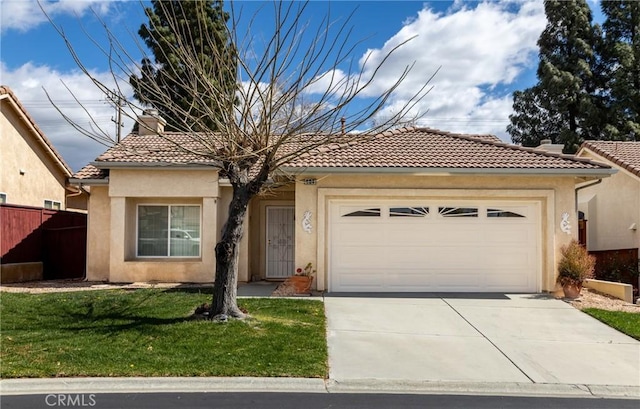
(627, 322)
(149, 333)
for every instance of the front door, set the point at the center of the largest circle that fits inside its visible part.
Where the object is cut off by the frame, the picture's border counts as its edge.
(280, 241)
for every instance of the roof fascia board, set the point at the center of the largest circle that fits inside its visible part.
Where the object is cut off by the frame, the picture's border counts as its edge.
(456, 171)
(609, 162)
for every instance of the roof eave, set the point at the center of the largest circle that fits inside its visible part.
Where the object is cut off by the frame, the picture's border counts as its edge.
(91, 182)
(604, 172)
(141, 165)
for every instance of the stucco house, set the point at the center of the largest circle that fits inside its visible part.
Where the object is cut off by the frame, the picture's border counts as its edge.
(612, 206)
(407, 210)
(32, 172)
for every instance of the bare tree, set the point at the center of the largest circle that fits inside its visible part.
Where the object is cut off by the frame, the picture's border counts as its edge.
(300, 77)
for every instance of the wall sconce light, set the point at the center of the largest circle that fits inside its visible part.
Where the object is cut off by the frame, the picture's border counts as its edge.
(22, 171)
(633, 227)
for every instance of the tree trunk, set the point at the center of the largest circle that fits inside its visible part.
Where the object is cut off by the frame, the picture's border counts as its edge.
(225, 288)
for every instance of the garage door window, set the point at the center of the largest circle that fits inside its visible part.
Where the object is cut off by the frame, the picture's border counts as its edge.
(409, 211)
(373, 212)
(458, 211)
(502, 213)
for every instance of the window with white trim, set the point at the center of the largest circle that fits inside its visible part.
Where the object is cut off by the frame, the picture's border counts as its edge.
(168, 231)
(3, 197)
(52, 204)
(414, 211)
(371, 212)
(502, 213)
(458, 211)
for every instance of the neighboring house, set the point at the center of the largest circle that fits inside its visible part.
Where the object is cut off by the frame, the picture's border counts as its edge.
(32, 172)
(612, 207)
(407, 210)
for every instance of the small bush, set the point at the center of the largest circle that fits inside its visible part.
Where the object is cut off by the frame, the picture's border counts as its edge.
(576, 265)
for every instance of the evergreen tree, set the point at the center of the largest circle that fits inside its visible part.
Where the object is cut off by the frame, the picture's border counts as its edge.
(560, 106)
(201, 26)
(621, 60)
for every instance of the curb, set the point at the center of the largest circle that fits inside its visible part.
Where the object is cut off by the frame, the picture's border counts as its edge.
(157, 384)
(483, 388)
(306, 385)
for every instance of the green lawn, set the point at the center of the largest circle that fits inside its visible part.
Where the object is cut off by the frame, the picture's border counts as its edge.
(627, 322)
(149, 333)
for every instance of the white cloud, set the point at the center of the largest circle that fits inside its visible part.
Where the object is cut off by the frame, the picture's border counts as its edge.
(23, 15)
(479, 49)
(27, 83)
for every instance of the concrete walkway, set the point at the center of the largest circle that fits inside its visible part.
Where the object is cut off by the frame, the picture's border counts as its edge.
(519, 339)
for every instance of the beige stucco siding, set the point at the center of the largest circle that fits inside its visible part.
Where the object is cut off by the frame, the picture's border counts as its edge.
(555, 195)
(21, 152)
(611, 208)
(114, 209)
(98, 234)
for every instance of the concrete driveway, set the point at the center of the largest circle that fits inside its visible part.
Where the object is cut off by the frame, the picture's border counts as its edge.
(485, 338)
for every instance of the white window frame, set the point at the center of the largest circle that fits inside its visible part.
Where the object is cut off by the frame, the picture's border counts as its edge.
(53, 204)
(3, 197)
(169, 205)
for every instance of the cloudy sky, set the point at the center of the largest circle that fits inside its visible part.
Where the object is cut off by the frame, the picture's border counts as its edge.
(484, 51)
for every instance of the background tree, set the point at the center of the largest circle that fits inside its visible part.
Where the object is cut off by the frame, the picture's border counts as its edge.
(621, 60)
(298, 77)
(199, 25)
(558, 107)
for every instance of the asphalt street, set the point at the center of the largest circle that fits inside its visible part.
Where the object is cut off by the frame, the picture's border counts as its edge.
(274, 400)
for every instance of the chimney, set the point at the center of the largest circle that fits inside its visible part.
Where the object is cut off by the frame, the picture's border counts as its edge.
(150, 123)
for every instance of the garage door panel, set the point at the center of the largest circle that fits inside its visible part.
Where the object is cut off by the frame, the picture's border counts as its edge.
(354, 280)
(512, 279)
(361, 256)
(436, 253)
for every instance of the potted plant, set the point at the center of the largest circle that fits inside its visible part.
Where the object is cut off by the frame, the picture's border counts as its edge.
(576, 265)
(302, 279)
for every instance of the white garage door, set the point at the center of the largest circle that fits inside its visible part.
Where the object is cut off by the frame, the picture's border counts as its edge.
(434, 246)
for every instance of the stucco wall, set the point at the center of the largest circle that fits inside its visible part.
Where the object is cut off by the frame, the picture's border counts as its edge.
(42, 179)
(555, 194)
(98, 234)
(129, 188)
(611, 207)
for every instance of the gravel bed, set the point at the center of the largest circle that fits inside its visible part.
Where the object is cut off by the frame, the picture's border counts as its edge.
(593, 299)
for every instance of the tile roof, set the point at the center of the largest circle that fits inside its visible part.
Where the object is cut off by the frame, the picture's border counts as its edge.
(430, 148)
(5, 90)
(624, 154)
(402, 148)
(170, 148)
(91, 172)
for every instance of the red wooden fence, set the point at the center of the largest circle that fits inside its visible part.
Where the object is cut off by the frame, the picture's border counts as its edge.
(617, 265)
(56, 238)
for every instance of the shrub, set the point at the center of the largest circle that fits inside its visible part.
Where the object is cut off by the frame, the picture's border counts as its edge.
(576, 265)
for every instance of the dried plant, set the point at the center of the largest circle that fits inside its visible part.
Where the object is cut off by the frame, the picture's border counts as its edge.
(576, 264)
